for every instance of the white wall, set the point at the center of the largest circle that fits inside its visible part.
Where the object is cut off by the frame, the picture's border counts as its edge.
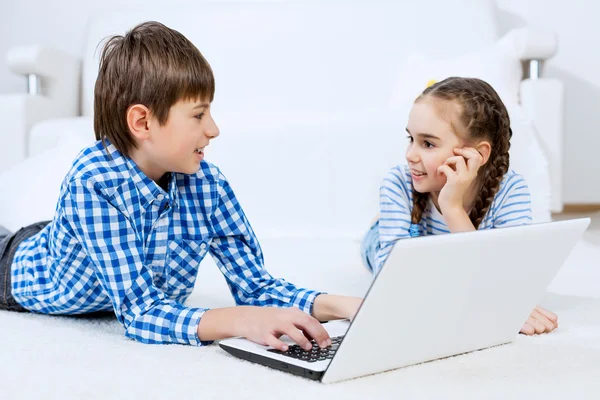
(61, 23)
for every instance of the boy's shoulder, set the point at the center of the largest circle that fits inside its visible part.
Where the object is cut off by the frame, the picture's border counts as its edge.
(99, 164)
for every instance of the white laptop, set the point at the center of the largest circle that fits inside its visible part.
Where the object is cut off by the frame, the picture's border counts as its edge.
(435, 297)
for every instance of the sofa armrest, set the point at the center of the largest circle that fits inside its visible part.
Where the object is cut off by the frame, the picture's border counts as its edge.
(18, 113)
(58, 73)
(543, 102)
(531, 44)
(542, 99)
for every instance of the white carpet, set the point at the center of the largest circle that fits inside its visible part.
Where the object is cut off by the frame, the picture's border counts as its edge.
(89, 358)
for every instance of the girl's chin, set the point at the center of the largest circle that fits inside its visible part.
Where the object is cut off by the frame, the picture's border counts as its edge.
(425, 187)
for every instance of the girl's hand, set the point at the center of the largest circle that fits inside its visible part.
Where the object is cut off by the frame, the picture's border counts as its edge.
(540, 321)
(461, 171)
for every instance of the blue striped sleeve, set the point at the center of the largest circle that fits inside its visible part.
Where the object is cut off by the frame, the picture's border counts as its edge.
(395, 214)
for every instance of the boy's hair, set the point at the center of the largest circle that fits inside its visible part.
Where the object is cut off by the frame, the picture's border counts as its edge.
(151, 65)
(482, 116)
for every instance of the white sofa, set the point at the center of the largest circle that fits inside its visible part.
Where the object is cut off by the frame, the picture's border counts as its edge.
(311, 100)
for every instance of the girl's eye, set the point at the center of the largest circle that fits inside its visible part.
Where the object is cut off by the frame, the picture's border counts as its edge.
(410, 138)
(428, 144)
(199, 116)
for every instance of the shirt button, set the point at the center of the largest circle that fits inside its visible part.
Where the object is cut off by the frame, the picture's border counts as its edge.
(203, 246)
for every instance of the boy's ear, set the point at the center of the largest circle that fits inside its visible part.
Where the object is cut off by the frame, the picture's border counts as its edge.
(138, 118)
(484, 148)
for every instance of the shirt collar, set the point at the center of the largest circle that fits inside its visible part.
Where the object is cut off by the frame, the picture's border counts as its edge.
(148, 189)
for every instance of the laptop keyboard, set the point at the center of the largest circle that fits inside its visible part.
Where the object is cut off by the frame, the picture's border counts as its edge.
(313, 355)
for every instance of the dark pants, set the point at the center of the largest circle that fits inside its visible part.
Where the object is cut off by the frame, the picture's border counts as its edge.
(8, 246)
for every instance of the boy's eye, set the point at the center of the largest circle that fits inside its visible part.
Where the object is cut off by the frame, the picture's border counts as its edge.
(199, 116)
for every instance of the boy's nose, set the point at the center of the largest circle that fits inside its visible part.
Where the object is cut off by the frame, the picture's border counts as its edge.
(212, 131)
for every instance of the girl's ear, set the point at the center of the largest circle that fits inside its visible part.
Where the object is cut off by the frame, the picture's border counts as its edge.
(484, 148)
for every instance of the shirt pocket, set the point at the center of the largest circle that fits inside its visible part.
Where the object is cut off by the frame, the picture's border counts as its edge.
(183, 260)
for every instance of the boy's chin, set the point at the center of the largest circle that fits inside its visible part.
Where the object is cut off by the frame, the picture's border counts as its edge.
(188, 169)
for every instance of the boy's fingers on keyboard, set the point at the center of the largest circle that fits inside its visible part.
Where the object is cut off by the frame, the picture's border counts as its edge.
(313, 328)
(272, 341)
(306, 335)
(298, 337)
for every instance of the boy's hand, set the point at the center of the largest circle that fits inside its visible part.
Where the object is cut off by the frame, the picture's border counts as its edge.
(540, 321)
(265, 325)
(461, 171)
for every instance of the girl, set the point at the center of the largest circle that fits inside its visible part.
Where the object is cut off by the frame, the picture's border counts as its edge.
(456, 178)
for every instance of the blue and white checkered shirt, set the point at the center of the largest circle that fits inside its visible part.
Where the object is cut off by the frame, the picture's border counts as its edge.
(119, 242)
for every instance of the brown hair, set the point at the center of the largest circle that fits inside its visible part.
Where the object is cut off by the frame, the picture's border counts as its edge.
(151, 65)
(483, 116)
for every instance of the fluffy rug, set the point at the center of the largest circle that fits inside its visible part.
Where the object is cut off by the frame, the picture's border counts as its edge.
(89, 358)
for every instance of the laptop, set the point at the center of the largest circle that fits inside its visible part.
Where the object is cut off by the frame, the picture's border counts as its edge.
(435, 297)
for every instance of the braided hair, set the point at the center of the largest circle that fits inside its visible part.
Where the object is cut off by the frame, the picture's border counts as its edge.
(484, 117)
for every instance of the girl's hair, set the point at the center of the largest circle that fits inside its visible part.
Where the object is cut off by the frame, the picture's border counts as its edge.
(482, 116)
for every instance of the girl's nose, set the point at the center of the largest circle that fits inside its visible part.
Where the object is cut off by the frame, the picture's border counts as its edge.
(411, 154)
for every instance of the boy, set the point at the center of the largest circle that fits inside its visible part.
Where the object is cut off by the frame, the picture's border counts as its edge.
(140, 209)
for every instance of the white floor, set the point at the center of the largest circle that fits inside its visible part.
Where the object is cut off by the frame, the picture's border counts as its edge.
(580, 275)
(88, 357)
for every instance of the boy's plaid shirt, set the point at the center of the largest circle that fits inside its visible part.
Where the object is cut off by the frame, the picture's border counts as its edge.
(120, 242)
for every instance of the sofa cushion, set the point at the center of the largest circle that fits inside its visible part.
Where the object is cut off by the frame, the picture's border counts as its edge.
(494, 64)
(31, 188)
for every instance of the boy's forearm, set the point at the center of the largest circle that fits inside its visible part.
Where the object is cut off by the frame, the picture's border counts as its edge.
(329, 307)
(221, 323)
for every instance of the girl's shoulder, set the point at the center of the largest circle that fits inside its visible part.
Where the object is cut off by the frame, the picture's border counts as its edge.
(398, 175)
(511, 182)
(513, 192)
(399, 181)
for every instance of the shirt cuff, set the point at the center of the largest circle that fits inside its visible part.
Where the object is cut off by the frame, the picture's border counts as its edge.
(184, 326)
(305, 300)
